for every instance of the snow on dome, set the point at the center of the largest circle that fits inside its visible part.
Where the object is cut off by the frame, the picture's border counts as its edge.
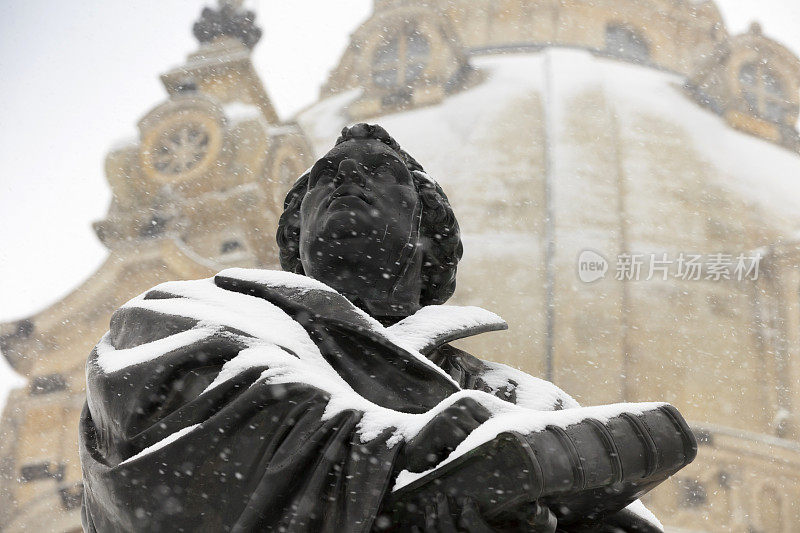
(473, 133)
(326, 119)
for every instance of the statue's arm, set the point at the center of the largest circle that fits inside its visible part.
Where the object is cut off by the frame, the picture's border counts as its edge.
(442, 434)
(483, 490)
(527, 391)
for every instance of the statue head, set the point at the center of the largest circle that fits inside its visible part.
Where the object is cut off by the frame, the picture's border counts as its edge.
(368, 221)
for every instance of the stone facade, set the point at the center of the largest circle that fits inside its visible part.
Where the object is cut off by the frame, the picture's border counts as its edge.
(538, 167)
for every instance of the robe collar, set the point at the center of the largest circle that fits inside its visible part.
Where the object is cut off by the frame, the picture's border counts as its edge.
(423, 332)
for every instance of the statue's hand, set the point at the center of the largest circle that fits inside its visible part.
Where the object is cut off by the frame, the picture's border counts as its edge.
(446, 516)
(443, 515)
(442, 434)
(537, 518)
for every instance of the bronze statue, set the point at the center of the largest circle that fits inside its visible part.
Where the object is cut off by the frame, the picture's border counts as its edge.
(327, 397)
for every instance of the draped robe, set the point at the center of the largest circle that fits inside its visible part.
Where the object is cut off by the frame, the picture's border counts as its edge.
(265, 401)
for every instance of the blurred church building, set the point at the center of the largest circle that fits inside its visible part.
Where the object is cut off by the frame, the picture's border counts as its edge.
(637, 130)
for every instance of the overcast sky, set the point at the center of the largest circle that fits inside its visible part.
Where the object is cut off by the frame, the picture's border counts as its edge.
(76, 77)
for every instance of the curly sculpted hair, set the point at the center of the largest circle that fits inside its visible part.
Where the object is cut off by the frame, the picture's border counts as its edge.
(439, 230)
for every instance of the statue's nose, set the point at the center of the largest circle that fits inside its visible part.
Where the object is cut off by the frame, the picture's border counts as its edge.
(350, 171)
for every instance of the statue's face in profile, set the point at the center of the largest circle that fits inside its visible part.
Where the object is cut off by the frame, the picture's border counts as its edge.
(359, 216)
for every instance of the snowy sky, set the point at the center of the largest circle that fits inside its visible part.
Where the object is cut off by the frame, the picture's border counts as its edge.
(78, 75)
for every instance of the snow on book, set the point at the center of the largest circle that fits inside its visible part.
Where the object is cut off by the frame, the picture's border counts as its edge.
(585, 470)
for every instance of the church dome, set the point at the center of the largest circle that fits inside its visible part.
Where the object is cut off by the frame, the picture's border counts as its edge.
(564, 150)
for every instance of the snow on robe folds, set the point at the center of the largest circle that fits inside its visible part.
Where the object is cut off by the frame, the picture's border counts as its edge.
(262, 400)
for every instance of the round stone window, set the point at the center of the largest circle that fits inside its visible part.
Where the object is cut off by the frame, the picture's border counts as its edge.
(181, 147)
(180, 150)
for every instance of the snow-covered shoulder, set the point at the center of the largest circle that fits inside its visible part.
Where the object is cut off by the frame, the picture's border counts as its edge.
(214, 309)
(110, 359)
(434, 325)
(276, 278)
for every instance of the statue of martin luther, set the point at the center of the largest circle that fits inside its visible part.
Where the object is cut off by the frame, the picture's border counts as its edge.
(327, 397)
